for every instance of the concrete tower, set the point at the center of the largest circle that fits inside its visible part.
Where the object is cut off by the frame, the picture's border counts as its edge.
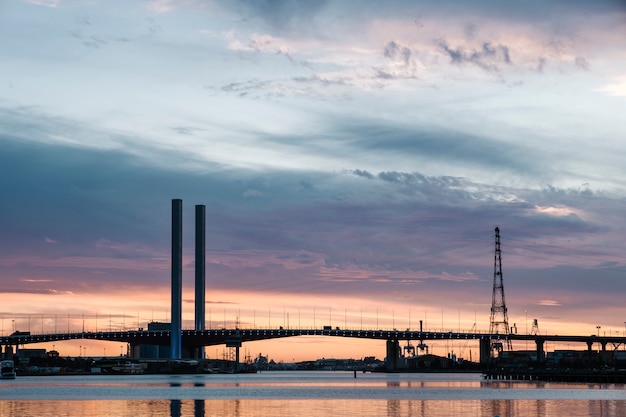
(200, 265)
(177, 278)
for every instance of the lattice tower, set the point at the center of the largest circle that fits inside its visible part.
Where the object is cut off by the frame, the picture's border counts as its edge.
(499, 323)
(535, 329)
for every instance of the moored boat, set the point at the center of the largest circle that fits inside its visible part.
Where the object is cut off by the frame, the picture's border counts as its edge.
(7, 369)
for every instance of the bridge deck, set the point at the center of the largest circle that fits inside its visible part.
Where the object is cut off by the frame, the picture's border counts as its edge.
(196, 338)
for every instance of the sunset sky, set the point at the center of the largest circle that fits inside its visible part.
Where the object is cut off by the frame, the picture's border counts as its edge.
(354, 158)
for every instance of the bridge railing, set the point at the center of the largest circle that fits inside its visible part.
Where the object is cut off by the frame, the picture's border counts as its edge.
(215, 326)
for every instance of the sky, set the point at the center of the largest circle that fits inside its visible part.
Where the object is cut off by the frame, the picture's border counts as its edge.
(354, 158)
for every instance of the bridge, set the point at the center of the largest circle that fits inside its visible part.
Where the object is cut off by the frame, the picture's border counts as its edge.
(195, 339)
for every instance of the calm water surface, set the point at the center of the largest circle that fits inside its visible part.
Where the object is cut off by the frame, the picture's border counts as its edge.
(311, 394)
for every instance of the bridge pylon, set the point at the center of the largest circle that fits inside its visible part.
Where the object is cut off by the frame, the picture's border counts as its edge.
(499, 322)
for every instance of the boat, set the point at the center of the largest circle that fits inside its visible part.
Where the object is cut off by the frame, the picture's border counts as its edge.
(128, 368)
(7, 369)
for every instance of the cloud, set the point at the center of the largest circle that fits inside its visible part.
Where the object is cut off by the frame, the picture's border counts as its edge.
(162, 6)
(557, 210)
(549, 303)
(324, 80)
(47, 291)
(265, 44)
(426, 145)
(582, 63)
(253, 193)
(396, 52)
(281, 14)
(417, 178)
(124, 250)
(36, 281)
(357, 232)
(89, 41)
(336, 64)
(46, 3)
(617, 88)
(363, 173)
(488, 57)
(89, 262)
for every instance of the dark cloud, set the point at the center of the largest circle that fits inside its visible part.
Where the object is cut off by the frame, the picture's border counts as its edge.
(533, 10)
(237, 87)
(299, 17)
(357, 233)
(489, 57)
(363, 173)
(68, 186)
(471, 30)
(395, 51)
(266, 45)
(427, 143)
(541, 64)
(89, 41)
(345, 232)
(281, 14)
(582, 63)
(321, 81)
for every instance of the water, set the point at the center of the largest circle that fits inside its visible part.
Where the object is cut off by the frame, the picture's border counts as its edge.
(311, 394)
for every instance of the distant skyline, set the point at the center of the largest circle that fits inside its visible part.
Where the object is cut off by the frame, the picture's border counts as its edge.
(354, 158)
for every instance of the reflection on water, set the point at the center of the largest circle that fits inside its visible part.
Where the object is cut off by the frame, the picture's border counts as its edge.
(198, 408)
(312, 394)
(314, 408)
(175, 408)
(177, 405)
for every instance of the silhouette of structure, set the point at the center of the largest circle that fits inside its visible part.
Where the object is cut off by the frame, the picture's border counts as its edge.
(499, 322)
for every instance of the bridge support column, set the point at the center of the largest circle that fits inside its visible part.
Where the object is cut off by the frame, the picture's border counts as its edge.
(393, 353)
(235, 342)
(485, 351)
(603, 355)
(8, 352)
(540, 353)
(590, 351)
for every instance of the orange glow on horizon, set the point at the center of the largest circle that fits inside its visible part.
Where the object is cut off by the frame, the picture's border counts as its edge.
(39, 313)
